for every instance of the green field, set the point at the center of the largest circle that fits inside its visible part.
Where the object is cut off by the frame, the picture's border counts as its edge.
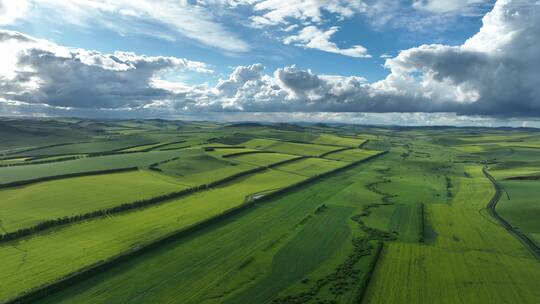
(26, 206)
(310, 166)
(200, 168)
(261, 159)
(469, 261)
(247, 252)
(331, 139)
(88, 164)
(351, 155)
(289, 147)
(84, 244)
(278, 213)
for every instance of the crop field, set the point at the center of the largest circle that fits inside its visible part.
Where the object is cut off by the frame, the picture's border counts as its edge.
(350, 155)
(310, 166)
(289, 147)
(88, 164)
(469, 261)
(199, 169)
(331, 139)
(25, 206)
(157, 211)
(261, 159)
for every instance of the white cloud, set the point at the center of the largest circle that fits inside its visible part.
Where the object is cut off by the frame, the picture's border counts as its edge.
(447, 6)
(11, 10)
(180, 18)
(312, 38)
(494, 72)
(38, 71)
(426, 16)
(280, 11)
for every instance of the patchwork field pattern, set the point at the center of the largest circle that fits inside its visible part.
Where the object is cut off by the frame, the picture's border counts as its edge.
(156, 211)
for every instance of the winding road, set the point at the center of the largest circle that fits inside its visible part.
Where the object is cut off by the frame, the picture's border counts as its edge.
(491, 207)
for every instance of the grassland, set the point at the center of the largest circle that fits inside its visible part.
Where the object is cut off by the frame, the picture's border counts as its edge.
(88, 164)
(310, 166)
(200, 168)
(261, 159)
(332, 139)
(263, 221)
(470, 260)
(25, 206)
(350, 155)
(248, 255)
(84, 244)
(289, 147)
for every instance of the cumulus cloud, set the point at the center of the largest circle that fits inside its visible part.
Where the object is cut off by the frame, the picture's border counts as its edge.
(312, 38)
(11, 10)
(495, 72)
(176, 18)
(38, 71)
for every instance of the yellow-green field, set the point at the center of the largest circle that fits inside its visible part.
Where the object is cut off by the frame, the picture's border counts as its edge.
(472, 260)
(159, 211)
(25, 206)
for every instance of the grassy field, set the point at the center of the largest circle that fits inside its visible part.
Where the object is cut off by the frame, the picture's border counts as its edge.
(310, 166)
(26, 206)
(249, 255)
(200, 168)
(521, 206)
(331, 139)
(350, 155)
(261, 159)
(289, 147)
(408, 226)
(472, 260)
(77, 246)
(88, 164)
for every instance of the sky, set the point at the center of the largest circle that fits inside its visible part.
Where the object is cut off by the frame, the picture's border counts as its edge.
(412, 62)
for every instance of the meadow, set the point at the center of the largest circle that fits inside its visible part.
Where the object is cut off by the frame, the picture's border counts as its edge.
(157, 211)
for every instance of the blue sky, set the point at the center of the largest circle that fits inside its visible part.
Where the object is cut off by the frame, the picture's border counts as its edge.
(265, 43)
(189, 57)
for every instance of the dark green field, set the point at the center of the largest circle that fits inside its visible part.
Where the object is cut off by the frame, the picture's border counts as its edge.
(156, 211)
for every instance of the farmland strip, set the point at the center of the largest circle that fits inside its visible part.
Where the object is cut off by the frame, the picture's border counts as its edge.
(37, 162)
(335, 151)
(163, 145)
(69, 175)
(45, 147)
(47, 289)
(24, 232)
(244, 153)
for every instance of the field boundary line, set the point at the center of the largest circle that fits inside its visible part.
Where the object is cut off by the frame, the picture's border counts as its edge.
(63, 176)
(336, 151)
(360, 297)
(245, 152)
(40, 162)
(15, 153)
(39, 292)
(361, 146)
(48, 224)
(491, 208)
(163, 145)
(304, 142)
